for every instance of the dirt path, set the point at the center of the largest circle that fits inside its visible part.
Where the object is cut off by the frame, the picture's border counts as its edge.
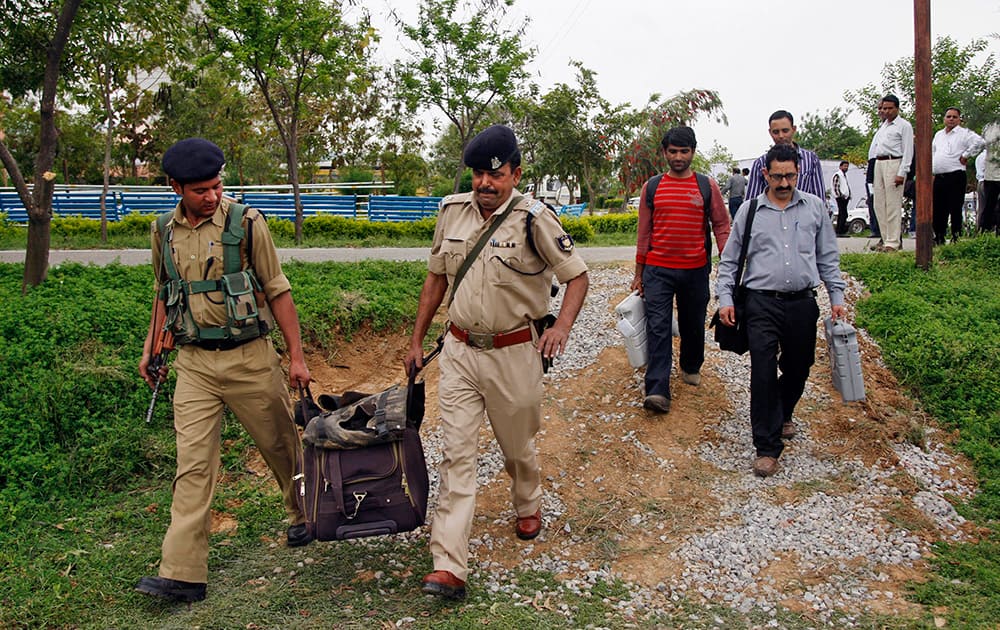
(631, 493)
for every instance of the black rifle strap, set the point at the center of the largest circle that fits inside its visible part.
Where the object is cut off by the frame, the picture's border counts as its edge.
(480, 244)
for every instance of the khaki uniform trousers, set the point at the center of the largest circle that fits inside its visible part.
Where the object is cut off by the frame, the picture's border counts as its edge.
(506, 384)
(248, 379)
(888, 202)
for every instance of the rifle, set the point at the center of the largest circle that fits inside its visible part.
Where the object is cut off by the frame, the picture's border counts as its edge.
(162, 346)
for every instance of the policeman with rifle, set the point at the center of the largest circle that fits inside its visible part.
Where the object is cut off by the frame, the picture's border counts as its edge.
(220, 291)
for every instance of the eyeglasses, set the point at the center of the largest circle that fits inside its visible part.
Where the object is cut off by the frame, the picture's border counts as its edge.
(777, 177)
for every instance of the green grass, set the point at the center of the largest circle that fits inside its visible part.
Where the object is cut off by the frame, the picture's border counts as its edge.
(940, 333)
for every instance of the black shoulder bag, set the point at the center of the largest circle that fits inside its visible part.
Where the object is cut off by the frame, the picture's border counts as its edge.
(735, 338)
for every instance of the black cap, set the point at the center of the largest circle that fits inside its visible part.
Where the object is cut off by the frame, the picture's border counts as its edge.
(193, 160)
(491, 148)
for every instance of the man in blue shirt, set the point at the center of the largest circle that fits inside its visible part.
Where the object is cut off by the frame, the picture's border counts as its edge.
(781, 126)
(792, 248)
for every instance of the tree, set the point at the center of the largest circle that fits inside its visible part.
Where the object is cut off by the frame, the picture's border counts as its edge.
(955, 82)
(643, 157)
(830, 136)
(25, 31)
(303, 57)
(207, 102)
(125, 55)
(460, 66)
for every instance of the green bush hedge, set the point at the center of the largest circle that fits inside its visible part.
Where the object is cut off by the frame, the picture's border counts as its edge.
(579, 229)
(620, 223)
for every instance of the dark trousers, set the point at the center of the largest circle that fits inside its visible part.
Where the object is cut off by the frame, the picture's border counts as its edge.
(949, 196)
(842, 215)
(782, 335)
(989, 217)
(660, 286)
(734, 205)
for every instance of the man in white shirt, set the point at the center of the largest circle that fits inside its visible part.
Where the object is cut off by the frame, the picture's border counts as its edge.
(950, 152)
(989, 217)
(842, 194)
(892, 150)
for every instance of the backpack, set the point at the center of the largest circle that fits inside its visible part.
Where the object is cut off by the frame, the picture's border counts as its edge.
(705, 186)
(238, 286)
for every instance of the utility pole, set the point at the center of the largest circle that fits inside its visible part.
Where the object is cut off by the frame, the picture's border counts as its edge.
(923, 129)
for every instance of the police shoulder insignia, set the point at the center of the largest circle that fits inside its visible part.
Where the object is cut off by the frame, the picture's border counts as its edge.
(565, 242)
(536, 208)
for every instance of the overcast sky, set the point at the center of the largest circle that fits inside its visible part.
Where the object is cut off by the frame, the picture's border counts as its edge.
(760, 55)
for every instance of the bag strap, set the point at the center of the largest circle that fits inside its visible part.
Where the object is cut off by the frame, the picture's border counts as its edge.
(480, 244)
(746, 243)
(705, 186)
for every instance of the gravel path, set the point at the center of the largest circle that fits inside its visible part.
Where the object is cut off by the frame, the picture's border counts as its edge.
(842, 537)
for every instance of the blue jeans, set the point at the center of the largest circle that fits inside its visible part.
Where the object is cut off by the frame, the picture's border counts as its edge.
(660, 286)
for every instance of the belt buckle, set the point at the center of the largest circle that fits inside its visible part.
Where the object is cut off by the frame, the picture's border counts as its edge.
(483, 341)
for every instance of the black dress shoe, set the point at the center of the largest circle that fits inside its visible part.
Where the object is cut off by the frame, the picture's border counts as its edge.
(299, 536)
(174, 590)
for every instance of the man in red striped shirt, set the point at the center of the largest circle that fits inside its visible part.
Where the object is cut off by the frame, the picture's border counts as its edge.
(673, 258)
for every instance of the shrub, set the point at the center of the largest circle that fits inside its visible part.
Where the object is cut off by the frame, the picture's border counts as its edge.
(132, 224)
(579, 229)
(622, 223)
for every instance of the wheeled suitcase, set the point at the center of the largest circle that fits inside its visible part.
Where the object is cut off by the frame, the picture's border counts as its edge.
(363, 471)
(845, 359)
(369, 491)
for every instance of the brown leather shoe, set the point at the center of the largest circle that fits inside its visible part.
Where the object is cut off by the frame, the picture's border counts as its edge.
(657, 403)
(788, 430)
(528, 527)
(765, 466)
(443, 584)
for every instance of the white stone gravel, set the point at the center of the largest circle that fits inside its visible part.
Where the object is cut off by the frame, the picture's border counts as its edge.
(841, 537)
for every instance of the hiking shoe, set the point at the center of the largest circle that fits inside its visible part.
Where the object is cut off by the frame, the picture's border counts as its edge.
(691, 379)
(443, 584)
(299, 536)
(657, 403)
(788, 430)
(174, 590)
(765, 466)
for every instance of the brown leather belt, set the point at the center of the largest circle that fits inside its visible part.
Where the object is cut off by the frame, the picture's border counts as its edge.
(488, 341)
(888, 157)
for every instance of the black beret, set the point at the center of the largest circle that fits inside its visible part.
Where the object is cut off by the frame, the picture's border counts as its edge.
(491, 148)
(193, 160)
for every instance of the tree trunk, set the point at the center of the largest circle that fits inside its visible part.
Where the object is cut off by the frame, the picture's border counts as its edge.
(108, 137)
(291, 151)
(36, 259)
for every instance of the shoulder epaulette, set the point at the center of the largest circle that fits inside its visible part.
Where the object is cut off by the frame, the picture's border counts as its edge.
(536, 208)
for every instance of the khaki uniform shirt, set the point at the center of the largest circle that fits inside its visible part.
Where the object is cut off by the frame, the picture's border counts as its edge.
(493, 297)
(193, 248)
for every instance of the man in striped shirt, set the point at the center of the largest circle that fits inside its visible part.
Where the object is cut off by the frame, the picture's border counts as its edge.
(673, 258)
(781, 126)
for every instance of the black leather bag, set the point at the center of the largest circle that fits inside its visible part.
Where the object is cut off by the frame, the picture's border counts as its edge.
(732, 338)
(735, 338)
